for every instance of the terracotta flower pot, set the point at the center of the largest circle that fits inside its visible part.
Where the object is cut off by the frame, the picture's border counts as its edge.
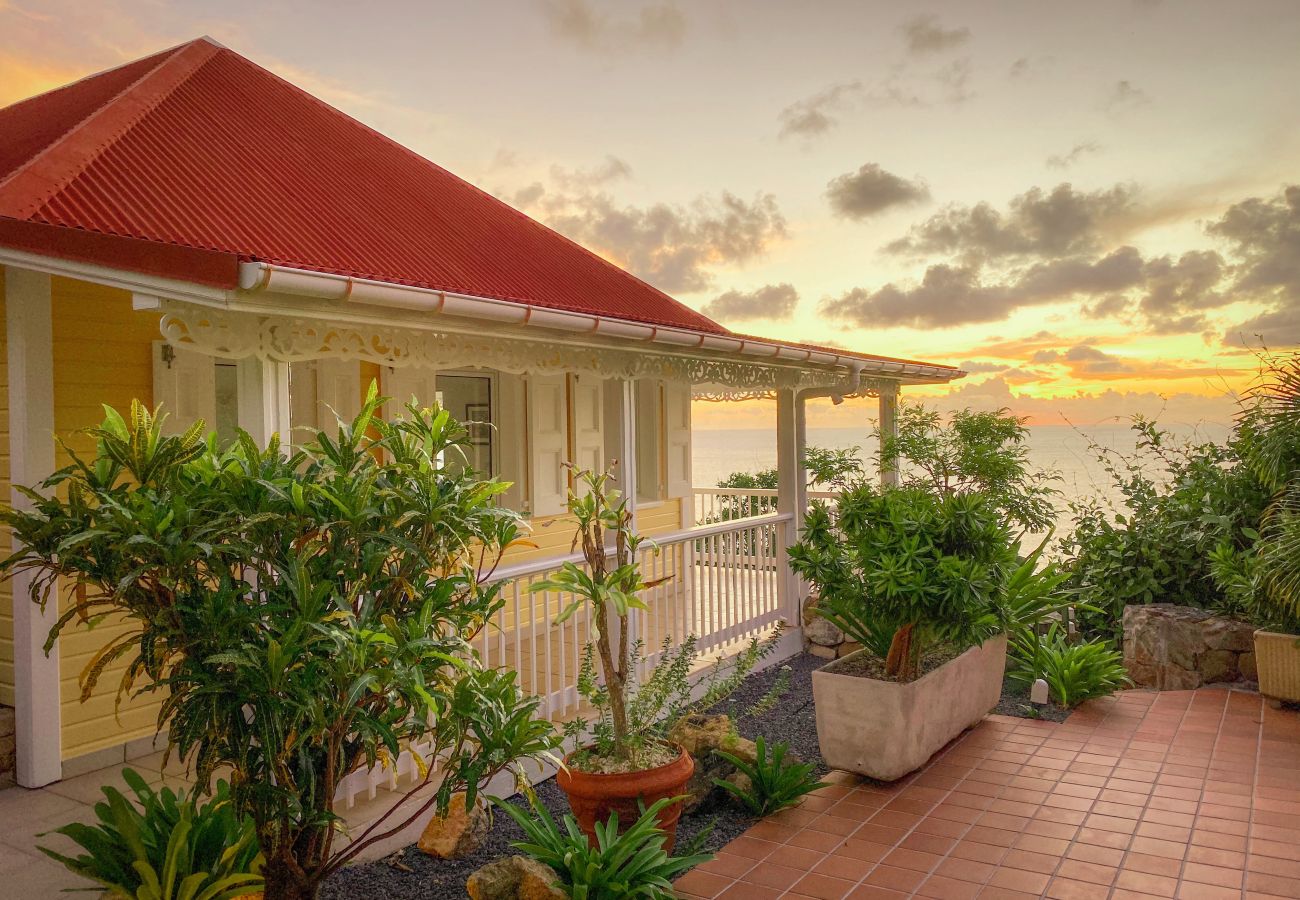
(592, 797)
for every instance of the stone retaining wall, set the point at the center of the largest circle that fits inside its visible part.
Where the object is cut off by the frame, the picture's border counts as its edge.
(1174, 648)
(821, 638)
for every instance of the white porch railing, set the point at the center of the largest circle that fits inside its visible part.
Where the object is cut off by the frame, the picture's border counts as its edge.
(729, 504)
(726, 583)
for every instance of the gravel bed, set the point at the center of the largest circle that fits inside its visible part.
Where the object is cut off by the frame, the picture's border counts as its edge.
(411, 875)
(1015, 702)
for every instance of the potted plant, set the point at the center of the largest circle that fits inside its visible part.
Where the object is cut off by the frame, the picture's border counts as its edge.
(1270, 433)
(629, 761)
(919, 579)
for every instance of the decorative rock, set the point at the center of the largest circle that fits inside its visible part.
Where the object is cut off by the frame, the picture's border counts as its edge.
(1246, 665)
(1218, 665)
(701, 735)
(822, 632)
(1180, 648)
(514, 878)
(847, 647)
(820, 651)
(457, 834)
(1227, 634)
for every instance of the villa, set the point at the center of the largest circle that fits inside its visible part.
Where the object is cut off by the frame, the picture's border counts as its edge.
(193, 231)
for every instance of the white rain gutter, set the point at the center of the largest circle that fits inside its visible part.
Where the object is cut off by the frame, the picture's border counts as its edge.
(258, 276)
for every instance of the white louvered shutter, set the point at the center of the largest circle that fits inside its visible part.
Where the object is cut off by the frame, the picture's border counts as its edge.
(677, 438)
(547, 432)
(185, 383)
(338, 392)
(588, 414)
(401, 384)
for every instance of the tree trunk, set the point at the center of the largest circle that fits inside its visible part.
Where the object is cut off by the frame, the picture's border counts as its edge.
(898, 663)
(285, 880)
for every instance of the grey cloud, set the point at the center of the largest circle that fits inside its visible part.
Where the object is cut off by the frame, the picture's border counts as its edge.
(612, 169)
(1177, 292)
(1125, 95)
(951, 295)
(1053, 223)
(924, 35)
(819, 113)
(1076, 153)
(1264, 236)
(657, 25)
(772, 301)
(872, 190)
(674, 247)
(954, 82)
(972, 367)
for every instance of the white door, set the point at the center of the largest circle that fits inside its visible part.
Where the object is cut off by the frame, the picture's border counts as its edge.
(185, 383)
(587, 414)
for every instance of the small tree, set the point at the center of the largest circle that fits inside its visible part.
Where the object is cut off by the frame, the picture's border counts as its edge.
(632, 717)
(911, 564)
(304, 616)
(973, 452)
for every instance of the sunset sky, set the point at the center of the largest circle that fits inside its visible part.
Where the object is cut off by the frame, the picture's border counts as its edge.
(1093, 207)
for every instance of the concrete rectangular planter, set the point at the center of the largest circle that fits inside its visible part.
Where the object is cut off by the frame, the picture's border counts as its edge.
(1277, 659)
(883, 729)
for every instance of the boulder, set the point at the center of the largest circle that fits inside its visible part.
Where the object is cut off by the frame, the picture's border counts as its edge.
(514, 878)
(1229, 634)
(823, 633)
(1218, 665)
(1246, 665)
(1175, 648)
(459, 833)
(847, 647)
(701, 735)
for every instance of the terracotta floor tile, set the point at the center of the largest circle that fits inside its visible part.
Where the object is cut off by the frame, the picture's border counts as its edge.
(769, 874)
(1186, 794)
(895, 879)
(822, 887)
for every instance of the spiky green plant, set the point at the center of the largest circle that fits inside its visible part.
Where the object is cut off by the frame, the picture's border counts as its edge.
(774, 782)
(169, 847)
(1073, 672)
(632, 864)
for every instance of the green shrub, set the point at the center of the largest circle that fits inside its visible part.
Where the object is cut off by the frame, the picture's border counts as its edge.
(774, 783)
(924, 567)
(1073, 672)
(170, 847)
(631, 864)
(304, 616)
(1180, 502)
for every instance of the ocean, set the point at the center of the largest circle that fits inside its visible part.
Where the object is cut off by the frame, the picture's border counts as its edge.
(1062, 449)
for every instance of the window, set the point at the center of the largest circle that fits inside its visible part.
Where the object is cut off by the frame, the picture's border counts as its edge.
(469, 400)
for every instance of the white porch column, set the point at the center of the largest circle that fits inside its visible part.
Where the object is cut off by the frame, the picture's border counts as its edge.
(31, 459)
(264, 400)
(621, 438)
(790, 497)
(888, 428)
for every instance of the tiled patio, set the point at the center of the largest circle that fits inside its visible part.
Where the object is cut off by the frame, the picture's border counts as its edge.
(1187, 794)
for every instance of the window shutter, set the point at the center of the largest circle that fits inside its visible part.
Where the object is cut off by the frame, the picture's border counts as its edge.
(677, 438)
(401, 384)
(185, 383)
(588, 414)
(547, 430)
(338, 392)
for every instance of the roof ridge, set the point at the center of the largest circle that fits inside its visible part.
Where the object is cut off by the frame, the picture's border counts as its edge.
(30, 185)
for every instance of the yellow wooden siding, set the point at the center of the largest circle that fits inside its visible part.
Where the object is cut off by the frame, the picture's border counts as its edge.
(102, 354)
(6, 591)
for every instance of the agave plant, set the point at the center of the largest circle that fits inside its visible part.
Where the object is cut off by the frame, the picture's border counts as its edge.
(631, 864)
(774, 782)
(169, 848)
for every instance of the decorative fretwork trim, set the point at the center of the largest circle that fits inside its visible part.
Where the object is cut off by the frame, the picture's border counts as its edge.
(238, 335)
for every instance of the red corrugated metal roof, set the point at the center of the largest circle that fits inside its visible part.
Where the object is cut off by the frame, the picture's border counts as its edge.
(198, 147)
